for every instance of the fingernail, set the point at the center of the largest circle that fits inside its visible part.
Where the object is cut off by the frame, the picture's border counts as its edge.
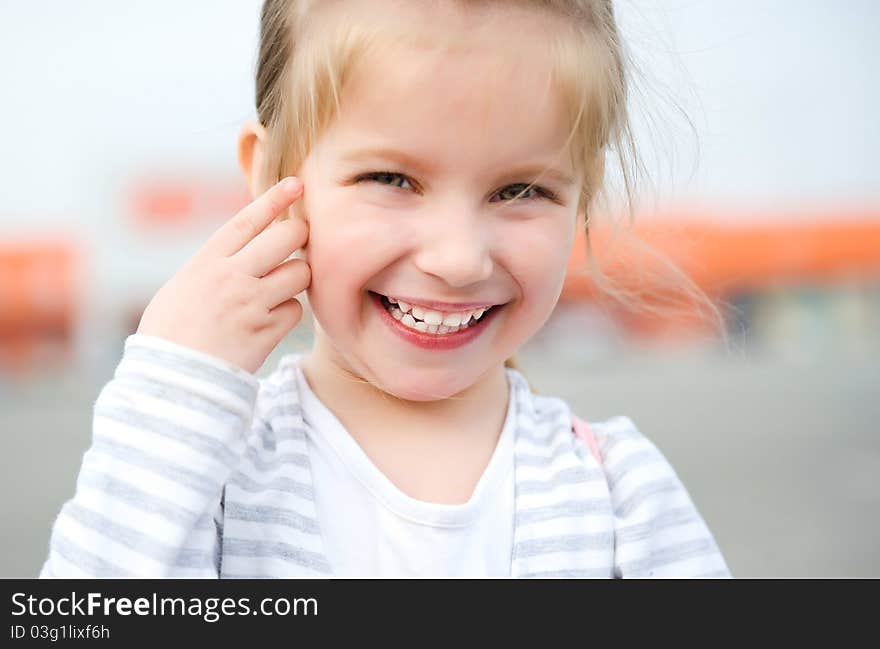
(290, 184)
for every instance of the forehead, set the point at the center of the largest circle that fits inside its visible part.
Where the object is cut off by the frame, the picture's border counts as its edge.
(447, 22)
(473, 77)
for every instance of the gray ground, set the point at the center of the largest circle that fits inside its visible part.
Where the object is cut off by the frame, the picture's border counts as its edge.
(781, 456)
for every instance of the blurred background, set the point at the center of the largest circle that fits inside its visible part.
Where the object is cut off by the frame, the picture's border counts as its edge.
(120, 137)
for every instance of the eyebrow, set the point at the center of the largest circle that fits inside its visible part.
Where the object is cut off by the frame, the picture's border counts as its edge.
(407, 160)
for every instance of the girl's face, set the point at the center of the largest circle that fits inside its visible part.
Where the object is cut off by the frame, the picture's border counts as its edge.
(450, 135)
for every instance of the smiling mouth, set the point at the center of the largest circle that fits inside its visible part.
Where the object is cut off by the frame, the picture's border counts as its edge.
(413, 318)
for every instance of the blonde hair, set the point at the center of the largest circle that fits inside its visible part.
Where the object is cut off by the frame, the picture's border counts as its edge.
(304, 60)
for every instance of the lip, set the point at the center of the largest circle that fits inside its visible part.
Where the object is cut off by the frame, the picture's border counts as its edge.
(433, 341)
(446, 307)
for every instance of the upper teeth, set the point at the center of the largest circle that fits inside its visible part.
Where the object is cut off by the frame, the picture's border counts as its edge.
(432, 317)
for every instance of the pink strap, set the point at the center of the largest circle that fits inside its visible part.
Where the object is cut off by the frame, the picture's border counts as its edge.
(582, 430)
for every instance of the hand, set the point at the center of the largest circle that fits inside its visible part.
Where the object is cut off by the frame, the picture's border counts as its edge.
(235, 298)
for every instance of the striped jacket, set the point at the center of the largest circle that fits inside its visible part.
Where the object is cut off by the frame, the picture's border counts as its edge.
(199, 469)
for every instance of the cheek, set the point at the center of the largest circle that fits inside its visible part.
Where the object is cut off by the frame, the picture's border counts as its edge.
(334, 270)
(538, 259)
(349, 234)
(343, 252)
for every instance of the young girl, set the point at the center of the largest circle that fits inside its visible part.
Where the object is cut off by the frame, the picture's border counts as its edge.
(443, 155)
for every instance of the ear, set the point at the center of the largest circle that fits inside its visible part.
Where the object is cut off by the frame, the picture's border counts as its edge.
(252, 147)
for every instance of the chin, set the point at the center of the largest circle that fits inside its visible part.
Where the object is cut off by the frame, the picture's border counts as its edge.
(416, 386)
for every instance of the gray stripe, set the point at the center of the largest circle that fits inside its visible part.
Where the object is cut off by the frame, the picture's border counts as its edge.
(225, 379)
(637, 459)
(658, 558)
(282, 410)
(642, 531)
(557, 417)
(277, 515)
(563, 510)
(611, 439)
(571, 543)
(172, 393)
(264, 434)
(141, 499)
(199, 442)
(85, 560)
(282, 484)
(275, 550)
(276, 434)
(565, 445)
(566, 476)
(276, 461)
(271, 435)
(285, 433)
(554, 419)
(592, 573)
(136, 540)
(160, 466)
(525, 431)
(195, 558)
(643, 492)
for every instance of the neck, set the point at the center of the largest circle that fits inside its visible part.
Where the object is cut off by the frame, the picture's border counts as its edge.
(365, 409)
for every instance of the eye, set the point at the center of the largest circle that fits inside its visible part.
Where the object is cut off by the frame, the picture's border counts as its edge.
(390, 177)
(381, 177)
(538, 192)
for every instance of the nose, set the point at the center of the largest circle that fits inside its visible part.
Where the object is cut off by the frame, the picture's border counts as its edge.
(455, 247)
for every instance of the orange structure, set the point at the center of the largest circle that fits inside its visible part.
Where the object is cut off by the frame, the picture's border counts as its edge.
(724, 258)
(38, 299)
(176, 199)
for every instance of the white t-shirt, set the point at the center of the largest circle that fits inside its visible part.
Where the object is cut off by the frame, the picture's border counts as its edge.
(372, 529)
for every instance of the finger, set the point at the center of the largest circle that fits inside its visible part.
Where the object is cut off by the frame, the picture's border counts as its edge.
(272, 246)
(286, 316)
(254, 218)
(288, 279)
